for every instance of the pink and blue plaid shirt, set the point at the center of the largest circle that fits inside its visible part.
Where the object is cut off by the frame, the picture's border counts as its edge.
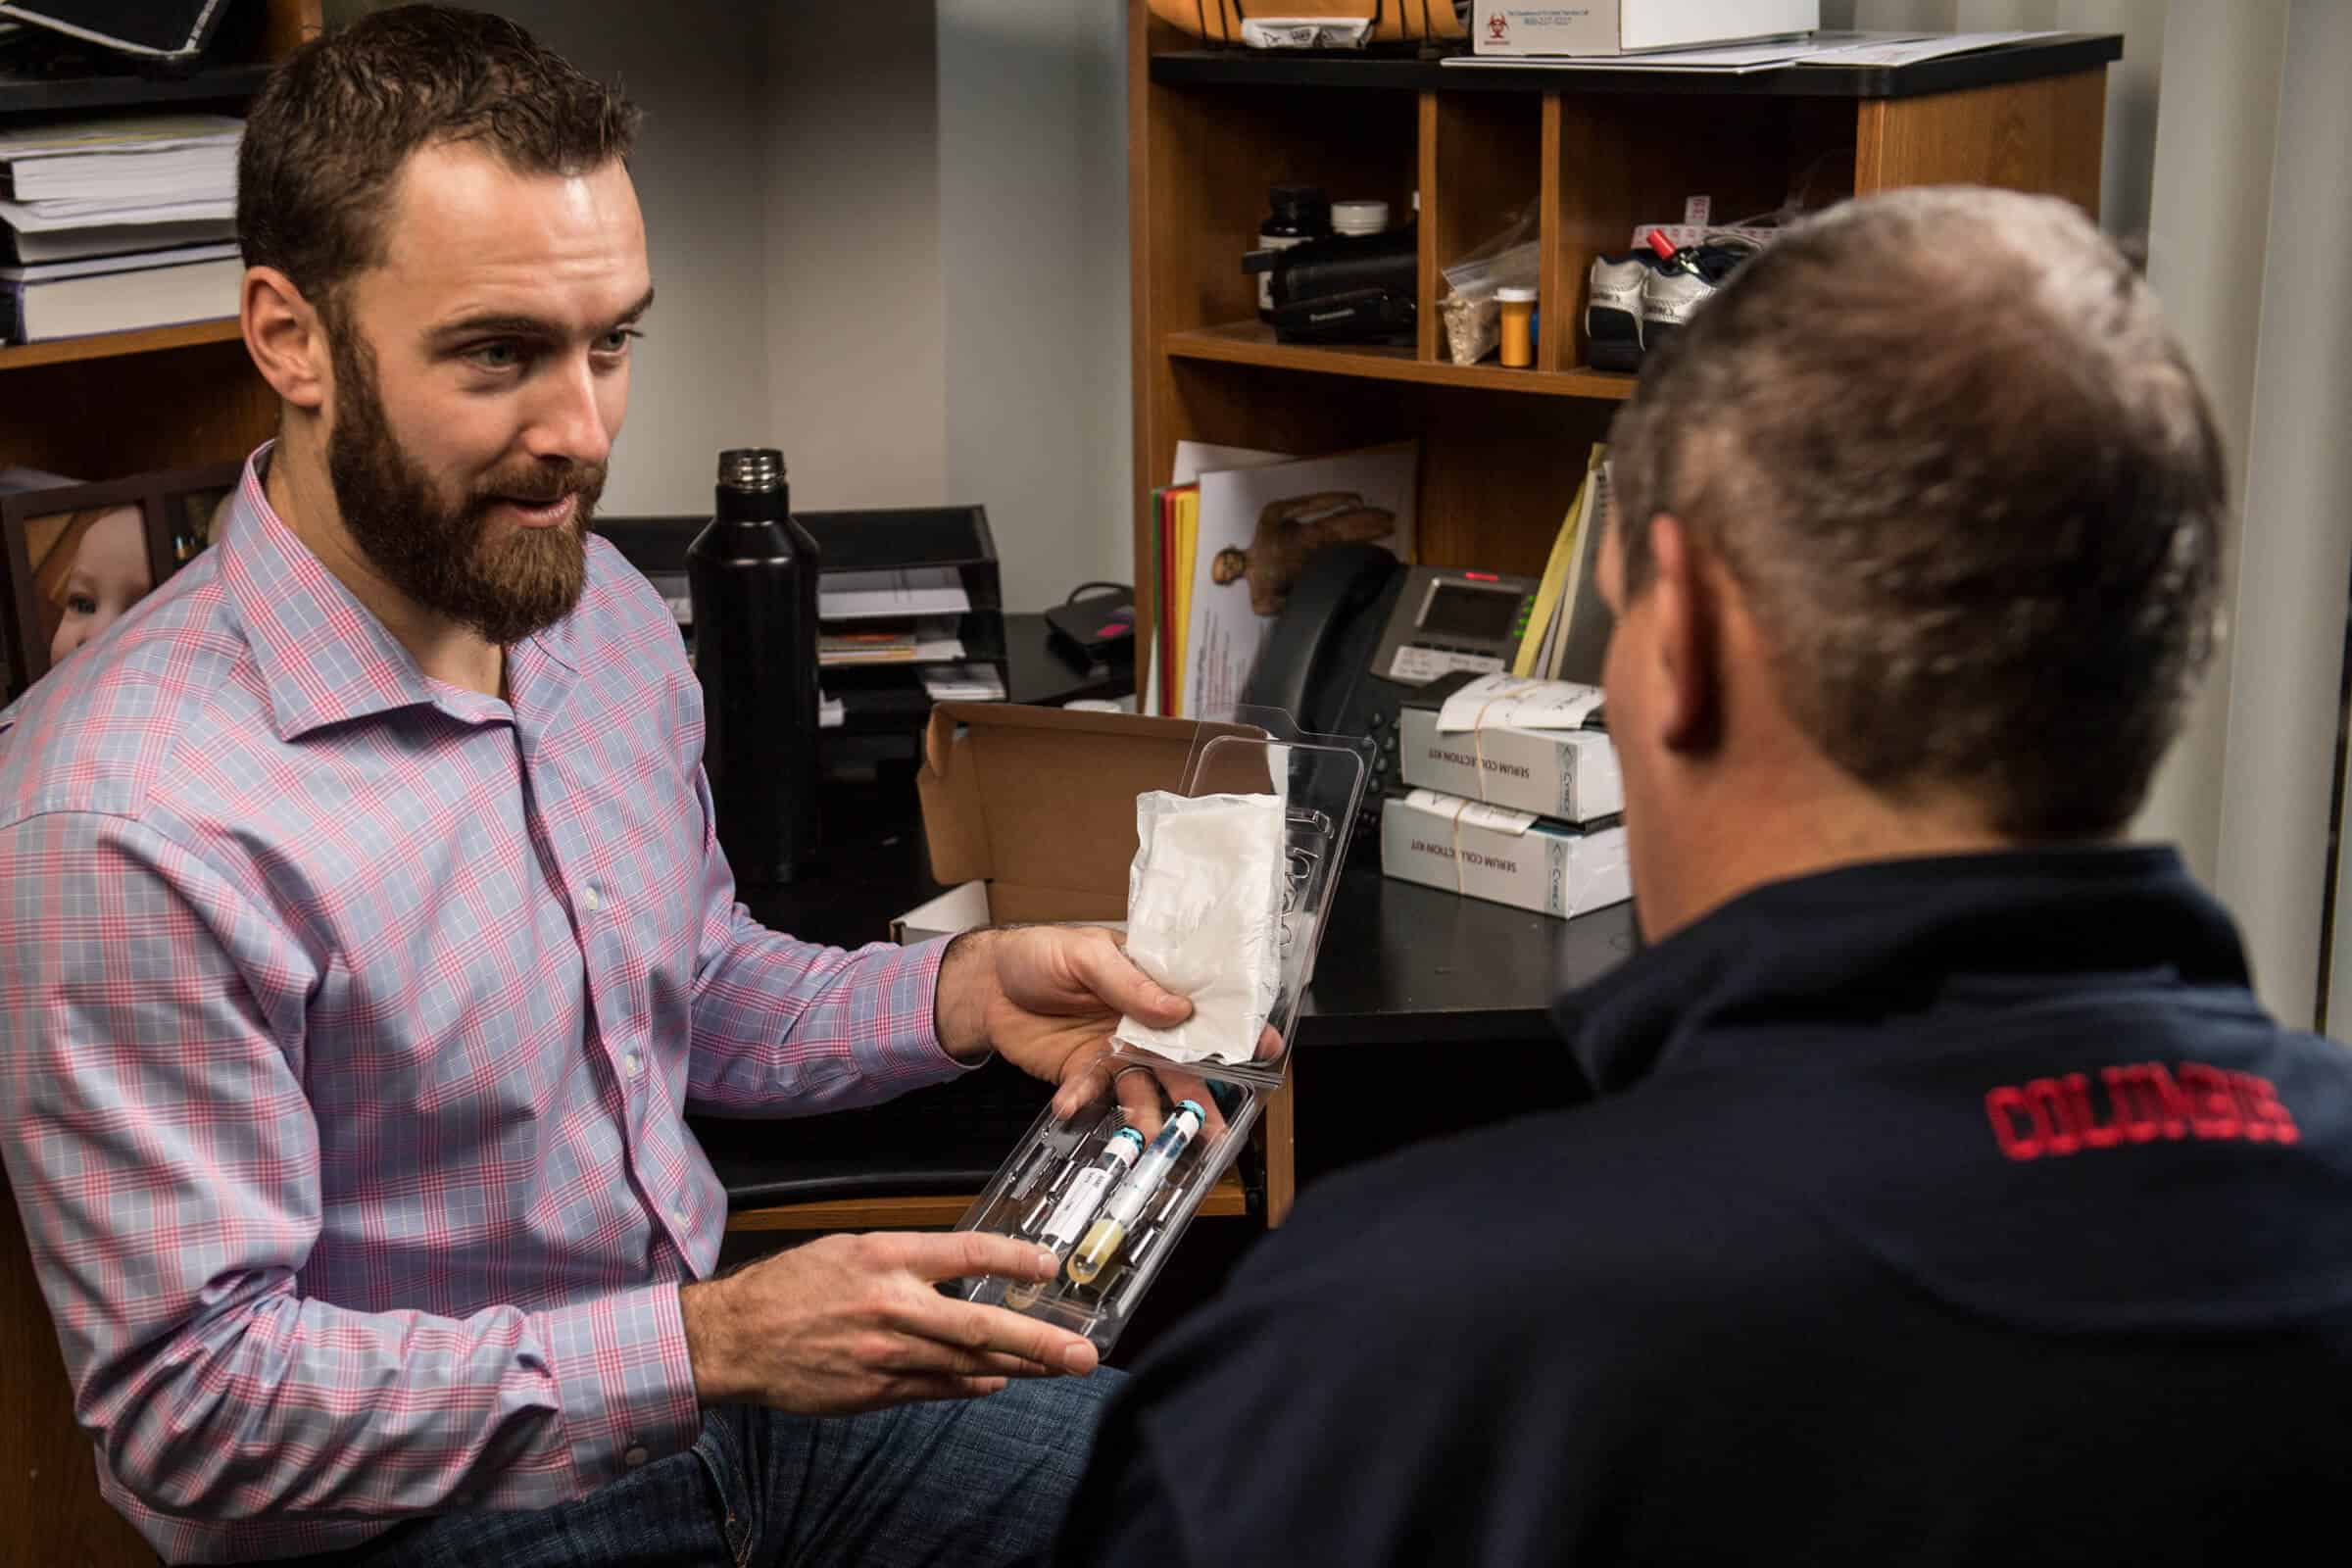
(348, 1022)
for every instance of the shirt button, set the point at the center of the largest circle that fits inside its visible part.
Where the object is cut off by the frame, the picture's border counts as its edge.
(679, 1213)
(636, 1062)
(634, 1457)
(589, 901)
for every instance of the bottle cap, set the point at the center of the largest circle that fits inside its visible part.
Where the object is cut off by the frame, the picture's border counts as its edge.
(752, 469)
(1359, 218)
(1515, 296)
(1298, 201)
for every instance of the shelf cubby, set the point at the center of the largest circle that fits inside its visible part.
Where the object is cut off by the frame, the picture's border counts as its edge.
(1600, 152)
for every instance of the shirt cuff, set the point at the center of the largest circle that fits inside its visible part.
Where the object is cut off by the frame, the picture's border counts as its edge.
(902, 992)
(625, 1380)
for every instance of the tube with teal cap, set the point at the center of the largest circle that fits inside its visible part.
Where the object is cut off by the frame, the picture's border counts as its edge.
(1126, 1205)
(1078, 1205)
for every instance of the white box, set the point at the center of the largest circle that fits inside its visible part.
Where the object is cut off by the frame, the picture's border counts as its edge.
(965, 907)
(1483, 851)
(1631, 26)
(962, 907)
(1568, 773)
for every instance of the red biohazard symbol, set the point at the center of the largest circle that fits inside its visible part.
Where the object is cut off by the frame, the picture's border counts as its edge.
(1498, 29)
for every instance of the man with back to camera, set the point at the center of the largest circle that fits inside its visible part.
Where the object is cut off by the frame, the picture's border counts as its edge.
(365, 936)
(1948, 1198)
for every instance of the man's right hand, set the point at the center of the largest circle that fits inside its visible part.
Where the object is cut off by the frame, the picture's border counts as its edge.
(851, 1323)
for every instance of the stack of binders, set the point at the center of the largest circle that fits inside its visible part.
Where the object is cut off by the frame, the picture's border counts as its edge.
(110, 225)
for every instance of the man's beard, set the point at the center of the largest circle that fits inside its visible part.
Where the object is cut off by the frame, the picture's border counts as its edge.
(505, 583)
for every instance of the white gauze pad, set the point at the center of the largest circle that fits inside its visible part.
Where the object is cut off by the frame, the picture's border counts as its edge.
(1204, 919)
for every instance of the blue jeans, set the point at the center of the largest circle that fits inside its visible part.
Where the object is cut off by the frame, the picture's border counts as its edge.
(967, 1482)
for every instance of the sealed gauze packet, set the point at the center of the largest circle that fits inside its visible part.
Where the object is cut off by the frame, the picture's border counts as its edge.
(1204, 900)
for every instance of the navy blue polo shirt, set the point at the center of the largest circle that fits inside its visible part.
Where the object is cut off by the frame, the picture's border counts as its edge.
(1954, 1211)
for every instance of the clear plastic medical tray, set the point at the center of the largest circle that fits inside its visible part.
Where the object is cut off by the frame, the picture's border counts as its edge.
(1079, 1184)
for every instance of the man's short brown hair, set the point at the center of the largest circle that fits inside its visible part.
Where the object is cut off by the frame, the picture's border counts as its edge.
(326, 140)
(1963, 474)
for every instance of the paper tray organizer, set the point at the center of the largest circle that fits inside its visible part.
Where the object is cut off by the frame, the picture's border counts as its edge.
(1070, 1172)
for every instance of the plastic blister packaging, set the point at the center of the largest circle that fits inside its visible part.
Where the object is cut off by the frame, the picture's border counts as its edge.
(1112, 1189)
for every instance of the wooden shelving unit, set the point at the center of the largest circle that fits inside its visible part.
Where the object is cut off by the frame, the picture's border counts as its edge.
(120, 402)
(114, 345)
(1252, 343)
(1595, 152)
(99, 408)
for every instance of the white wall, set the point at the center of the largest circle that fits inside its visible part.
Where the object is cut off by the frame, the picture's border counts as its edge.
(2130, 145)
(897, 250)
(1033, 242)
(2245, 206)
(699, 383)
(2207, 244)
(2295, 557)
(856, 355)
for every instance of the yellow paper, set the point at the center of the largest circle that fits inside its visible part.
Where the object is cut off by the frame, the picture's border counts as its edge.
(1548, 587)
(1188, 550)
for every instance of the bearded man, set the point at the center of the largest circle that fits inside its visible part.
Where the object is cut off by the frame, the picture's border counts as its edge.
(366, 938)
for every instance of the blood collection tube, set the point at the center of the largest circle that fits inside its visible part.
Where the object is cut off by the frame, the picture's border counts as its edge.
(1078, 1205)
(1101, 1243)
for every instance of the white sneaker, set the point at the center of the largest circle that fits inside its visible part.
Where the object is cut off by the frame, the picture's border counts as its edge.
(1672, 293)
(1613, 306)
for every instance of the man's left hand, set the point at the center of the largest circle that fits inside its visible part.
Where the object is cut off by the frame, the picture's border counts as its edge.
(1045, 998)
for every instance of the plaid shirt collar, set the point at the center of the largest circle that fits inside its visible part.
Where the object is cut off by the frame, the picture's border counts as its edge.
(323, 657)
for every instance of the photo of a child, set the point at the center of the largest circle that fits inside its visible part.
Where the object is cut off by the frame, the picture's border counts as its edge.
(89, 568)
(74, 558)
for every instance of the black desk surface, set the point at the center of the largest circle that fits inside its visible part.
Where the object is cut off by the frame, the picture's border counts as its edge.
(1401, 965)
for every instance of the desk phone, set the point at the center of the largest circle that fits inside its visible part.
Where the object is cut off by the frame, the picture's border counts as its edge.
(1361, 629)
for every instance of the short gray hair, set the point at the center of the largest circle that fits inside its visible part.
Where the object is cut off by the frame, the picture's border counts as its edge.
(1945, 443)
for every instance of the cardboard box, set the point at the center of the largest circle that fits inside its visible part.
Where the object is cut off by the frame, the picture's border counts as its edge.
(1631, 26)
(1030, 811)
(1571, 774)
(1483, 851)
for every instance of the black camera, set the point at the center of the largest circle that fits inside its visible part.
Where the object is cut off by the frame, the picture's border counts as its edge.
(1345, 289)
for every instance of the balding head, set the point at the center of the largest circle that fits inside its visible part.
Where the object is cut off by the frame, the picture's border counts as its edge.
(1969, 489)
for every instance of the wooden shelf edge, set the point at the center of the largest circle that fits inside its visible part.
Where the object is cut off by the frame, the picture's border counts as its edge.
(1252, 343)
(109, 345)
(2056, 55)
(1227, 1198)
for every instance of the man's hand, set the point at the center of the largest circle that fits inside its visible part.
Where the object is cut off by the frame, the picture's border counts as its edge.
(851, 1323)
(1045, 998)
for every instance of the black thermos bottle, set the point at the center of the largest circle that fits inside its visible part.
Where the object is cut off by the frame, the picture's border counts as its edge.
(752, 575)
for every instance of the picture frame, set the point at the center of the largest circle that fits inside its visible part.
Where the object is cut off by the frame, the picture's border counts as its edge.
(45, 531)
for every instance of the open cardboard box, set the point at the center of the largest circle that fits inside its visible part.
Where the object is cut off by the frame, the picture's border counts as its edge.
(1030, 811)
(1030, 816)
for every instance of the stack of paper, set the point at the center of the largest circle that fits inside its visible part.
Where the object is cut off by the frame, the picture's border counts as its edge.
(928, 641)
(1848, 49)
(114, 224)
(118, 293)
(872, 595)
(963, 683)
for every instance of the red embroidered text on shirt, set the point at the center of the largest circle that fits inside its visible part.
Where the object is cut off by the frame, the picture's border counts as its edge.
(2143, 1103)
